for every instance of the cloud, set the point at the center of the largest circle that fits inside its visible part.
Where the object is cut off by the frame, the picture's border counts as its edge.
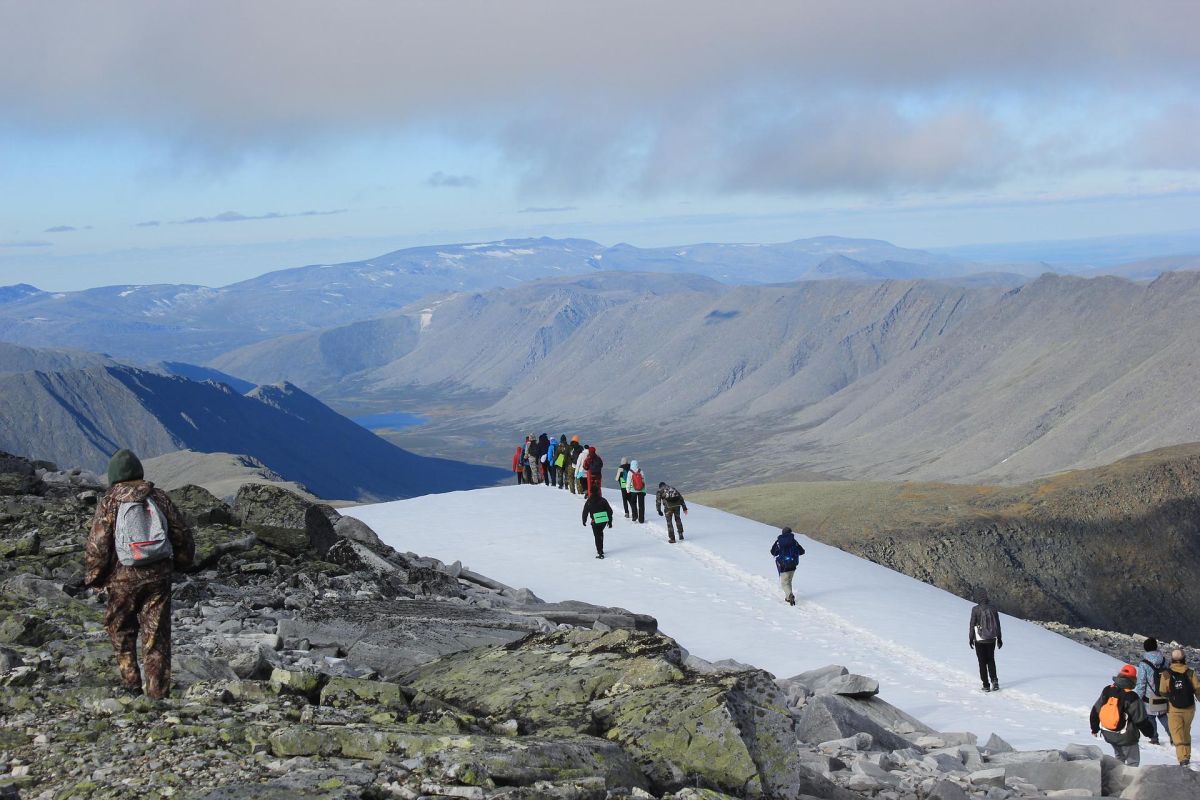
(689, 93)
(60, 229)
(442, 180)
(150, 223)
(546, 209)
(24, 243)
(234, 216)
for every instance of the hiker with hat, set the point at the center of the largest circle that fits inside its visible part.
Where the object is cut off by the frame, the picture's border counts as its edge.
(787, 552)
(601, 514)
(1181, 687)
(669, 499)
(984, 637)
(635, 481)
(1149, 669)
(574, 448)
(622, 481)
(1121, 718)
(137, 541)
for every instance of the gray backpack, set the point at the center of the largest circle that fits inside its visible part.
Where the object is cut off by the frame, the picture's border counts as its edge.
(988, 628)
(141, 534)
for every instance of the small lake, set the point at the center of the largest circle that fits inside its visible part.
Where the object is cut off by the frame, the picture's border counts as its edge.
(392, 419)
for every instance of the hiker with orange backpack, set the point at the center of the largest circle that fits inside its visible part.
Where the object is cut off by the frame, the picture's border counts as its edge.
(1121, 718)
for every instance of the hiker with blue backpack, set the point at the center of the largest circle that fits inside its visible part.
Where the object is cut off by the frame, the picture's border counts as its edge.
(787, 552)
(601, 513)
(1149, 670)
(137, 541)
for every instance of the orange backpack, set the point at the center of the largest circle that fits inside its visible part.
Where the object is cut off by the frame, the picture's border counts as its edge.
(1112, 715)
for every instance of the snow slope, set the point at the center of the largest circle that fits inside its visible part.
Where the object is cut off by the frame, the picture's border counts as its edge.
(717, 594)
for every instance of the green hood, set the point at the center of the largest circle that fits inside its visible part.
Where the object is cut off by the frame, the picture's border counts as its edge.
(124, 466)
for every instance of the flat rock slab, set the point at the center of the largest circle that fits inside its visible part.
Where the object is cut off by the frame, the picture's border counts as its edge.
(828, 717)
(1163, 783)
(1059, 775)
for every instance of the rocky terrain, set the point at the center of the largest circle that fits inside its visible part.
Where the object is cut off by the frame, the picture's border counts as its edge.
(312, 661)
(1099, 548)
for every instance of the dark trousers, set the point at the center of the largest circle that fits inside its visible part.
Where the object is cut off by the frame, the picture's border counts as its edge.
(520, 476)
(528, 474)
(552, 474)
(598, 535)
(625, 500)
(985, 652)
(637, 506)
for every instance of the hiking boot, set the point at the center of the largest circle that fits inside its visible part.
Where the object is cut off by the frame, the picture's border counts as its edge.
(681, 536)
(995, 687)
(987, 687)
(791, 598)
(600, 555)
(671, 540)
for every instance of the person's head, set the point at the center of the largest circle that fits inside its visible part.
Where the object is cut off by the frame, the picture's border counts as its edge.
(662, 484)
(1177, 657)
(633, 465)
(124, 466)
(786, 532)
(562, 439)
(575, 438)
(625, 461)
(1126, 677)
(982, 598)
(591, 449)
(1150, 645)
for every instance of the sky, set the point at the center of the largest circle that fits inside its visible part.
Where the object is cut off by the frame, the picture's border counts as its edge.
(207, 142)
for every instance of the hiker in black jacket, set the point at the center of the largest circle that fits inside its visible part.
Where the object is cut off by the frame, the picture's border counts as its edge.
(1120, 716)
(787, 552)
(601, 513)
(543, 446)
(984, 637)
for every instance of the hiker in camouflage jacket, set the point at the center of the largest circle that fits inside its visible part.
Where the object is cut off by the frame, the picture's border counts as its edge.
(139, 597)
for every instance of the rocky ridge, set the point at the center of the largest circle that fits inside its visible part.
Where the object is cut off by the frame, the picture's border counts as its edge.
(313, 661)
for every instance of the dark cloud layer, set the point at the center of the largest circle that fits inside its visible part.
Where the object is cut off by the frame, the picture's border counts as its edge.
(755, 96)
(61, 229)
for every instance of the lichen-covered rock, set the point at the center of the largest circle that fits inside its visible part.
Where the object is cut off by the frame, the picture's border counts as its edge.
(200, 506)
(271, 506)
(345, 692)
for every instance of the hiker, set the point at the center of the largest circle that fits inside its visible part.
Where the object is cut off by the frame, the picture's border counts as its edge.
(635, 482)
(551, 469)
(543, 445)
(622, 480)
(581, 470)
(1120, 716)
(1148, 672)
(670, 500)
(560, 460)
(1181, 687)
(601, 513)
(572, 462)
(594, 464)
(518, 464)
(787, 552)
(985, 637)
(531, 459)
(137, 540)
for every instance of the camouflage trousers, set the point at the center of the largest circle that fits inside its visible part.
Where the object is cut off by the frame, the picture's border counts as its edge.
(138, 604)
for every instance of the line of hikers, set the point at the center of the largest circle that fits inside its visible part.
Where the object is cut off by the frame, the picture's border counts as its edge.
(570, 465)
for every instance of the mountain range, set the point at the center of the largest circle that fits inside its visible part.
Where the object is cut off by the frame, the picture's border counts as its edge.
(193, 323)
(82, 413)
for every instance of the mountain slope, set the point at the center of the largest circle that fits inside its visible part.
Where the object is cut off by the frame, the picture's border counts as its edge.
(718, 593)
(1062, 373)
(83, 416)
(1099, 547)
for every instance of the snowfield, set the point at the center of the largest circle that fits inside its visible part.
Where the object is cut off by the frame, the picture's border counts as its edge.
(717, 593)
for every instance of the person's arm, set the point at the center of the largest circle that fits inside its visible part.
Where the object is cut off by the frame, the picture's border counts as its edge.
(608, 508)
(775, 548)
(683, 503)
(999, 633)
(1094, 719)
(98, 549)
(971, 627)
(1137, 713)
(183, 541)
(586, 510)
(1164, 682)
(658, 502)
(1195, 685)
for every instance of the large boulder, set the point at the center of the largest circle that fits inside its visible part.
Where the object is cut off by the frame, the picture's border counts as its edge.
(827, 717)
(1060, 775)
(200, 506)
(730, 730)
(260, 504)
(1163, 783)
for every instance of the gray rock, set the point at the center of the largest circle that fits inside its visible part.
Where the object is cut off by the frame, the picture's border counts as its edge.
(993, 776)
(358, 531)
(319, 525)
(859, 741)
(1026, 757)
(827, 717)
(9, 659)
(1163, 783)
(1059, 775)
(995, 744)
(1084, 751)
(851, 686)
(946, 790)
(815, 679)
(30, 587)
(270, 506)
(189, 668)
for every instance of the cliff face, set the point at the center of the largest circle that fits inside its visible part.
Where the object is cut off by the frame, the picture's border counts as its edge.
(1117, 547)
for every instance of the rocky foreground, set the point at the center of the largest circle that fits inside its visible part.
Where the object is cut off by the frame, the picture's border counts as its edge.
(313, 661)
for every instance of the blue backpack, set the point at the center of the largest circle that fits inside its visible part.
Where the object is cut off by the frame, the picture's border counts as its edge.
(789, 555)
